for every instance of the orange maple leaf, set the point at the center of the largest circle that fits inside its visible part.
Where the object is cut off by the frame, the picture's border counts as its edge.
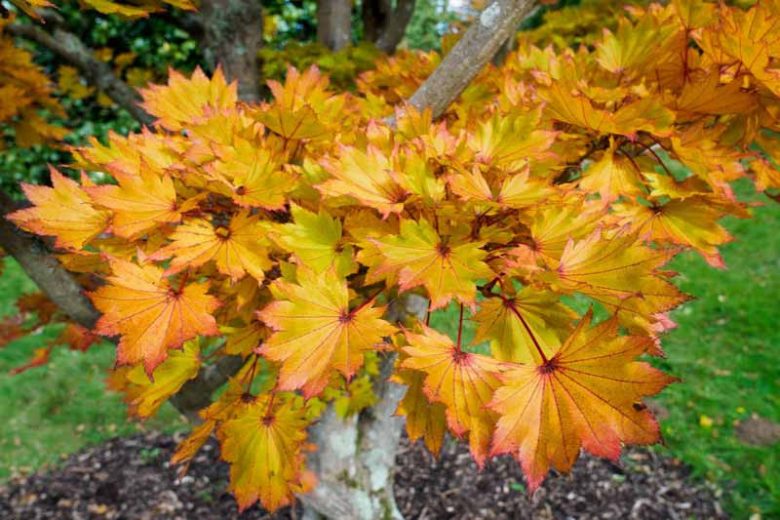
(237, 247)
(139, 304)
(586, 395)
(461, 381)
(316, 332)
(140, 202)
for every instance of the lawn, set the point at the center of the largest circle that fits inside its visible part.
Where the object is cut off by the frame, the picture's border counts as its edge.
(56, 410)
(725, 350)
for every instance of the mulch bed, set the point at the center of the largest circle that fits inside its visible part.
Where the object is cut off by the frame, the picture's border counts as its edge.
(129, 478)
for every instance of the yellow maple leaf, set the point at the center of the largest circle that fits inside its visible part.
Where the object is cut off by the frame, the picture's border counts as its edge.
(368, 176)
(315, 240)
(316, 332)
(264, 443)
(518, 327)
(620, 272)
(424, 419)
(447, 267)
(64, 211)
(255, 178)
(183, 101)
(237, 247)
(692, 222)
(143, 394)
(612, 176)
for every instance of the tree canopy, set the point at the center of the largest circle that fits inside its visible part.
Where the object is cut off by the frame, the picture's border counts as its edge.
(288, 237)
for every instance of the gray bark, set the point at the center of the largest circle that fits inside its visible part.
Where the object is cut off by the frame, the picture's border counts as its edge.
(355, 458)
(497, 22)
(334, 23)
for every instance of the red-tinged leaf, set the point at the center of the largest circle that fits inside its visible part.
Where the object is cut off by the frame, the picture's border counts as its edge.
(588, 395)
(316, 332)
(463, 382)
(150, 315)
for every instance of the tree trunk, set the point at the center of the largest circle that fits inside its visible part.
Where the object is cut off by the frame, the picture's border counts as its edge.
(334, 23)
(355, 457)
(232, 35)
(384, 25)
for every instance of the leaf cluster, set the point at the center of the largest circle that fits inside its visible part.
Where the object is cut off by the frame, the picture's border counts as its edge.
(280, 232)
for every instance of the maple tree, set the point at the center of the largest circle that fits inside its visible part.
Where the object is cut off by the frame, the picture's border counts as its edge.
(292, 249)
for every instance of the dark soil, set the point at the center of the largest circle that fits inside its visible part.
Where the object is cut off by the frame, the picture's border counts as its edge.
(129, 478)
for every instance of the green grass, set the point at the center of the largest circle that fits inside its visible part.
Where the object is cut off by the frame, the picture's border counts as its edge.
(727, 352)
(57, 409)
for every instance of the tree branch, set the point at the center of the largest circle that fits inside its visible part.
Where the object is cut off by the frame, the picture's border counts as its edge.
(36, 260)
(74, 51)
(476, 48)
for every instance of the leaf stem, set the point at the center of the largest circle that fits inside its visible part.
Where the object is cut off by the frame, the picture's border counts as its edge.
(527, 328)
(657, 158)
(460, 329)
